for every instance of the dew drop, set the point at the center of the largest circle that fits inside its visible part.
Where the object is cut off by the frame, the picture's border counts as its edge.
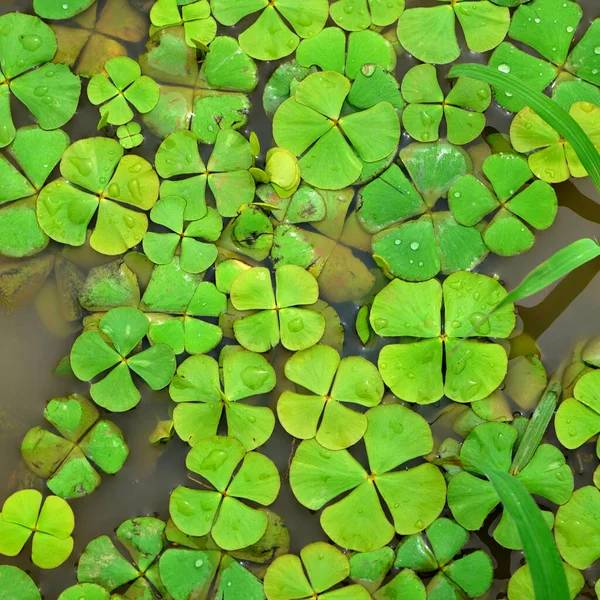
(129, 221)
(30, 42)
(251, 419)
(421, 263)
(83, 165)
(397, 242)
(419, 524)
(570, 29)
(254, 377)
(455, 324)
(481, 323)
(597, 50)
(296, 325)
(114, 191)
(537, 20)
(214, 460)
(504, 68)
(380, 323)
(199, 563)
(457, 194)
(40, 90)
(414, 245)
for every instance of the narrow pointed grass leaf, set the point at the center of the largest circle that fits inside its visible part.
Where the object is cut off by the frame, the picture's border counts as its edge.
(545, 107)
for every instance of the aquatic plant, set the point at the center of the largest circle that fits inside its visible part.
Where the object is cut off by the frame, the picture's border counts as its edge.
(130, 135)
(198, 24)
(17, 583)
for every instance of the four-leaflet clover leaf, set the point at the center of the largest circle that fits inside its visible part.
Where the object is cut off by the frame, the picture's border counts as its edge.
(96, 177)
(319, 568)
(130, 135)
(50, 91)
(471, 498)
(415, 497)
(356, 15)
(65, 461)
(310, 124)
(101, 563)
(36, 152)
(333, 383)
(51, 524)
(124, 84)
(473, 368)
(429, 34)
(118, 334)
(232, 524)
(270, 37)
(194, 256)
(203, 389)
(278, 317)
(552, 158)
(508, 233)
(226, 173)
(436, 551)
(463, 107)
(198, 24)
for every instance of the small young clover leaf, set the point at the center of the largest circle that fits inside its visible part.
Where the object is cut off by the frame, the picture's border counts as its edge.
(577, 531)
(232, 524)
(130, 135)
(65, 461)
(270, 37)
(474, 368)
(552, 158)
(356, 15)
(119, 332)
(278, 317)
(415, 497)
(124, 85)
(281, 171)
(50, 91)
(520, 585)
(49, 9)
(319, 568)
(311, 125)
(101, 563)
(226, 173)
(332, 382)
(17, 585)
(196, 573)
(463, 107)
(418, 249)
(35, 152)
(437, 551)
(51, 525)
(194, 256)
(198, 24)
(86, 591)
(203, 390)
(429, 34)
(578, 418)
(471, 498)
(508, 233)
(173, 291)
(97, 178)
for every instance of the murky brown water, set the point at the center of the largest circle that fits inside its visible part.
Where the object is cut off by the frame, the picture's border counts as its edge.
(555, 319)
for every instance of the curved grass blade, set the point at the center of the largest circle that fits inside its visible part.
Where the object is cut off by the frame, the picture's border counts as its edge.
(545, 107)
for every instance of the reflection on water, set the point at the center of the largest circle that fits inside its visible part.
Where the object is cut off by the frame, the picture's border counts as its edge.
(34, 338)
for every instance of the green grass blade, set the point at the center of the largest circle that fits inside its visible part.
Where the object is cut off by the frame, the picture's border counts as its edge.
(545, 107)
(545, 565)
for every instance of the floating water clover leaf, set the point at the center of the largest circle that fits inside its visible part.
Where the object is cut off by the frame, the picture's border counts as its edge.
(371, 568)
(473, 368)
(310, 125)
(124, 85)
(520, 585)
(578, 418)
(415, 497)
(36, 152)
(220, 512)
(50, 92)
(356, 15)
(553, 158)
(249, 234)
(429, 33)
(270, 37)
(130, 135)
(49, 9)
(17, 585)
(319, 568)
(65, 460)
(86, 591)
(278, 317)
(202, 390)
(508, 233)
(437, 551)
(333, 383)
(577, 530)
(194, 256)
(51, 525)
(463, 107)
(226, 173)
(96, 177)
(419, 249)
(119, 332)
(101, 563)
(198, 24)
(472, 498)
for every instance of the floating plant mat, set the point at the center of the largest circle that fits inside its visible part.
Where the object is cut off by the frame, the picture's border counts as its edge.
(183, 214)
